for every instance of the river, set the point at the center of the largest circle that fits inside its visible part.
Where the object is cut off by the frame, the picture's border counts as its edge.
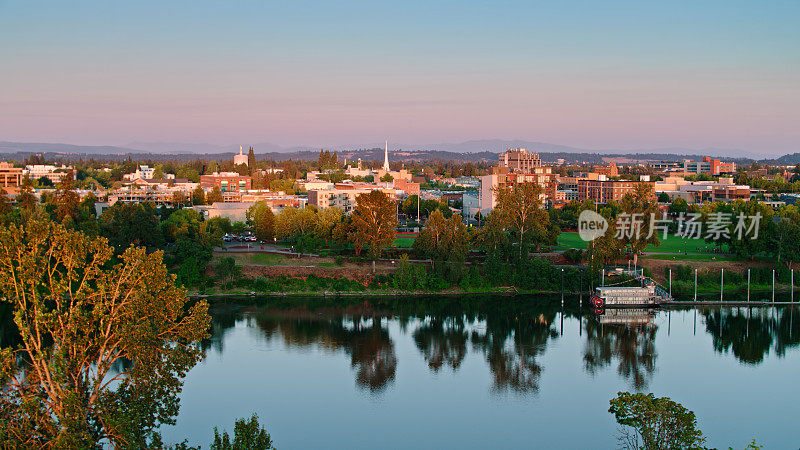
(483, 372)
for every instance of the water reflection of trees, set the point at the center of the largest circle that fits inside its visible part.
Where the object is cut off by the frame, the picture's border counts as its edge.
(365, 339)
(512, 345)
(750, 333)
(362, 337)
(510, 336)
(511, 339)
(442, 341)
(631, 345)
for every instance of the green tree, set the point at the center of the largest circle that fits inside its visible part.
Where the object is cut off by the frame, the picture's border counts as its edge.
(81, 320)
(412, 202)
(198, 196)
(247, 435)
(66, 200)
(26, 199)
(654, 423)
(606, 248)
(326, 222)
(374, 222)
(5, 204)
(126, 224)
(44, 182)
(251, 161)
(179, 199)
(158, 172)
(387, 178)
(293, 223)
(787, 237)
(227, 270)
(748, 244)
(445, 242)
(261, 219)
(663, 197)
(640, 204)
(519, 207)
(214, 196)
(678, 206)
(409, 276)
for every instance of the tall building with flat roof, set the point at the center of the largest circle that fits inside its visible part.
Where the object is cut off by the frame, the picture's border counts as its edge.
(520, 160)
(501, 177)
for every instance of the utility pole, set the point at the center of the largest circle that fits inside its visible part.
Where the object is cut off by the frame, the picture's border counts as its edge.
(670, 282)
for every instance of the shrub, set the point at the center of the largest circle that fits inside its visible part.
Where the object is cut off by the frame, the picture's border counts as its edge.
(574, 255)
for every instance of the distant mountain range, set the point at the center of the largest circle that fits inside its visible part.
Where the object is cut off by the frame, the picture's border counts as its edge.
(476, 150)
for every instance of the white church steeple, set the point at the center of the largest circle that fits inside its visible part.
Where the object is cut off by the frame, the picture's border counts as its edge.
(386, 156)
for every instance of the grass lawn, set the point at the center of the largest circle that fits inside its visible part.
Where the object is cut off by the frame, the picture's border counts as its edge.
(403, 241)
(571, 240)
(672, 244)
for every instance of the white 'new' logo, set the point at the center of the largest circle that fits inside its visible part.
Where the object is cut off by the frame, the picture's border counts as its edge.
(591, 225)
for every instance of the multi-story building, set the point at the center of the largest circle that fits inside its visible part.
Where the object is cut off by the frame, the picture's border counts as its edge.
(358, 170)
(708, 165)
(470, 205)
(141, 173)
(565, 195)
(226, 181)
(53, 173)
(610, 170)
(501, 177)
(10, 176)
(701, 191)
(664, 165)
(520, 160)
(408, 187)
(603, 190)
(155, 191)
(237, 210)
(343, 195)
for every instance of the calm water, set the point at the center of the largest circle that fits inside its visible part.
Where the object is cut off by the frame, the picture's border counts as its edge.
(488, 373)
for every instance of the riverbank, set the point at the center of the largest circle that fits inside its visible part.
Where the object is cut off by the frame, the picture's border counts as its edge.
(511, 292)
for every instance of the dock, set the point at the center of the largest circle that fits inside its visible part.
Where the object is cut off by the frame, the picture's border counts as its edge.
(648, 294)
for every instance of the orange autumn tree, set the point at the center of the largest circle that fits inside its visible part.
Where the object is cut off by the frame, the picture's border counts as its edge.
(103, 343)
(374, 223)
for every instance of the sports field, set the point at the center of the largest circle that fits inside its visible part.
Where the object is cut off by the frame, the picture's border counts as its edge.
(405, 240)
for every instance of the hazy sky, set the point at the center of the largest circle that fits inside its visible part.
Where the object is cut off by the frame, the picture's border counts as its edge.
(602, 74)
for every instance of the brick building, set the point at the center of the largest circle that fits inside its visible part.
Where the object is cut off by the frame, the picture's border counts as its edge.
(603, 191)
(226, 182)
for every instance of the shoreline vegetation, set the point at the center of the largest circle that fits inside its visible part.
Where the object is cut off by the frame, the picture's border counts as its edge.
(416, 278)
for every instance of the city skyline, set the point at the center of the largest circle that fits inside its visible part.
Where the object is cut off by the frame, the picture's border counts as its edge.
(623, 76)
